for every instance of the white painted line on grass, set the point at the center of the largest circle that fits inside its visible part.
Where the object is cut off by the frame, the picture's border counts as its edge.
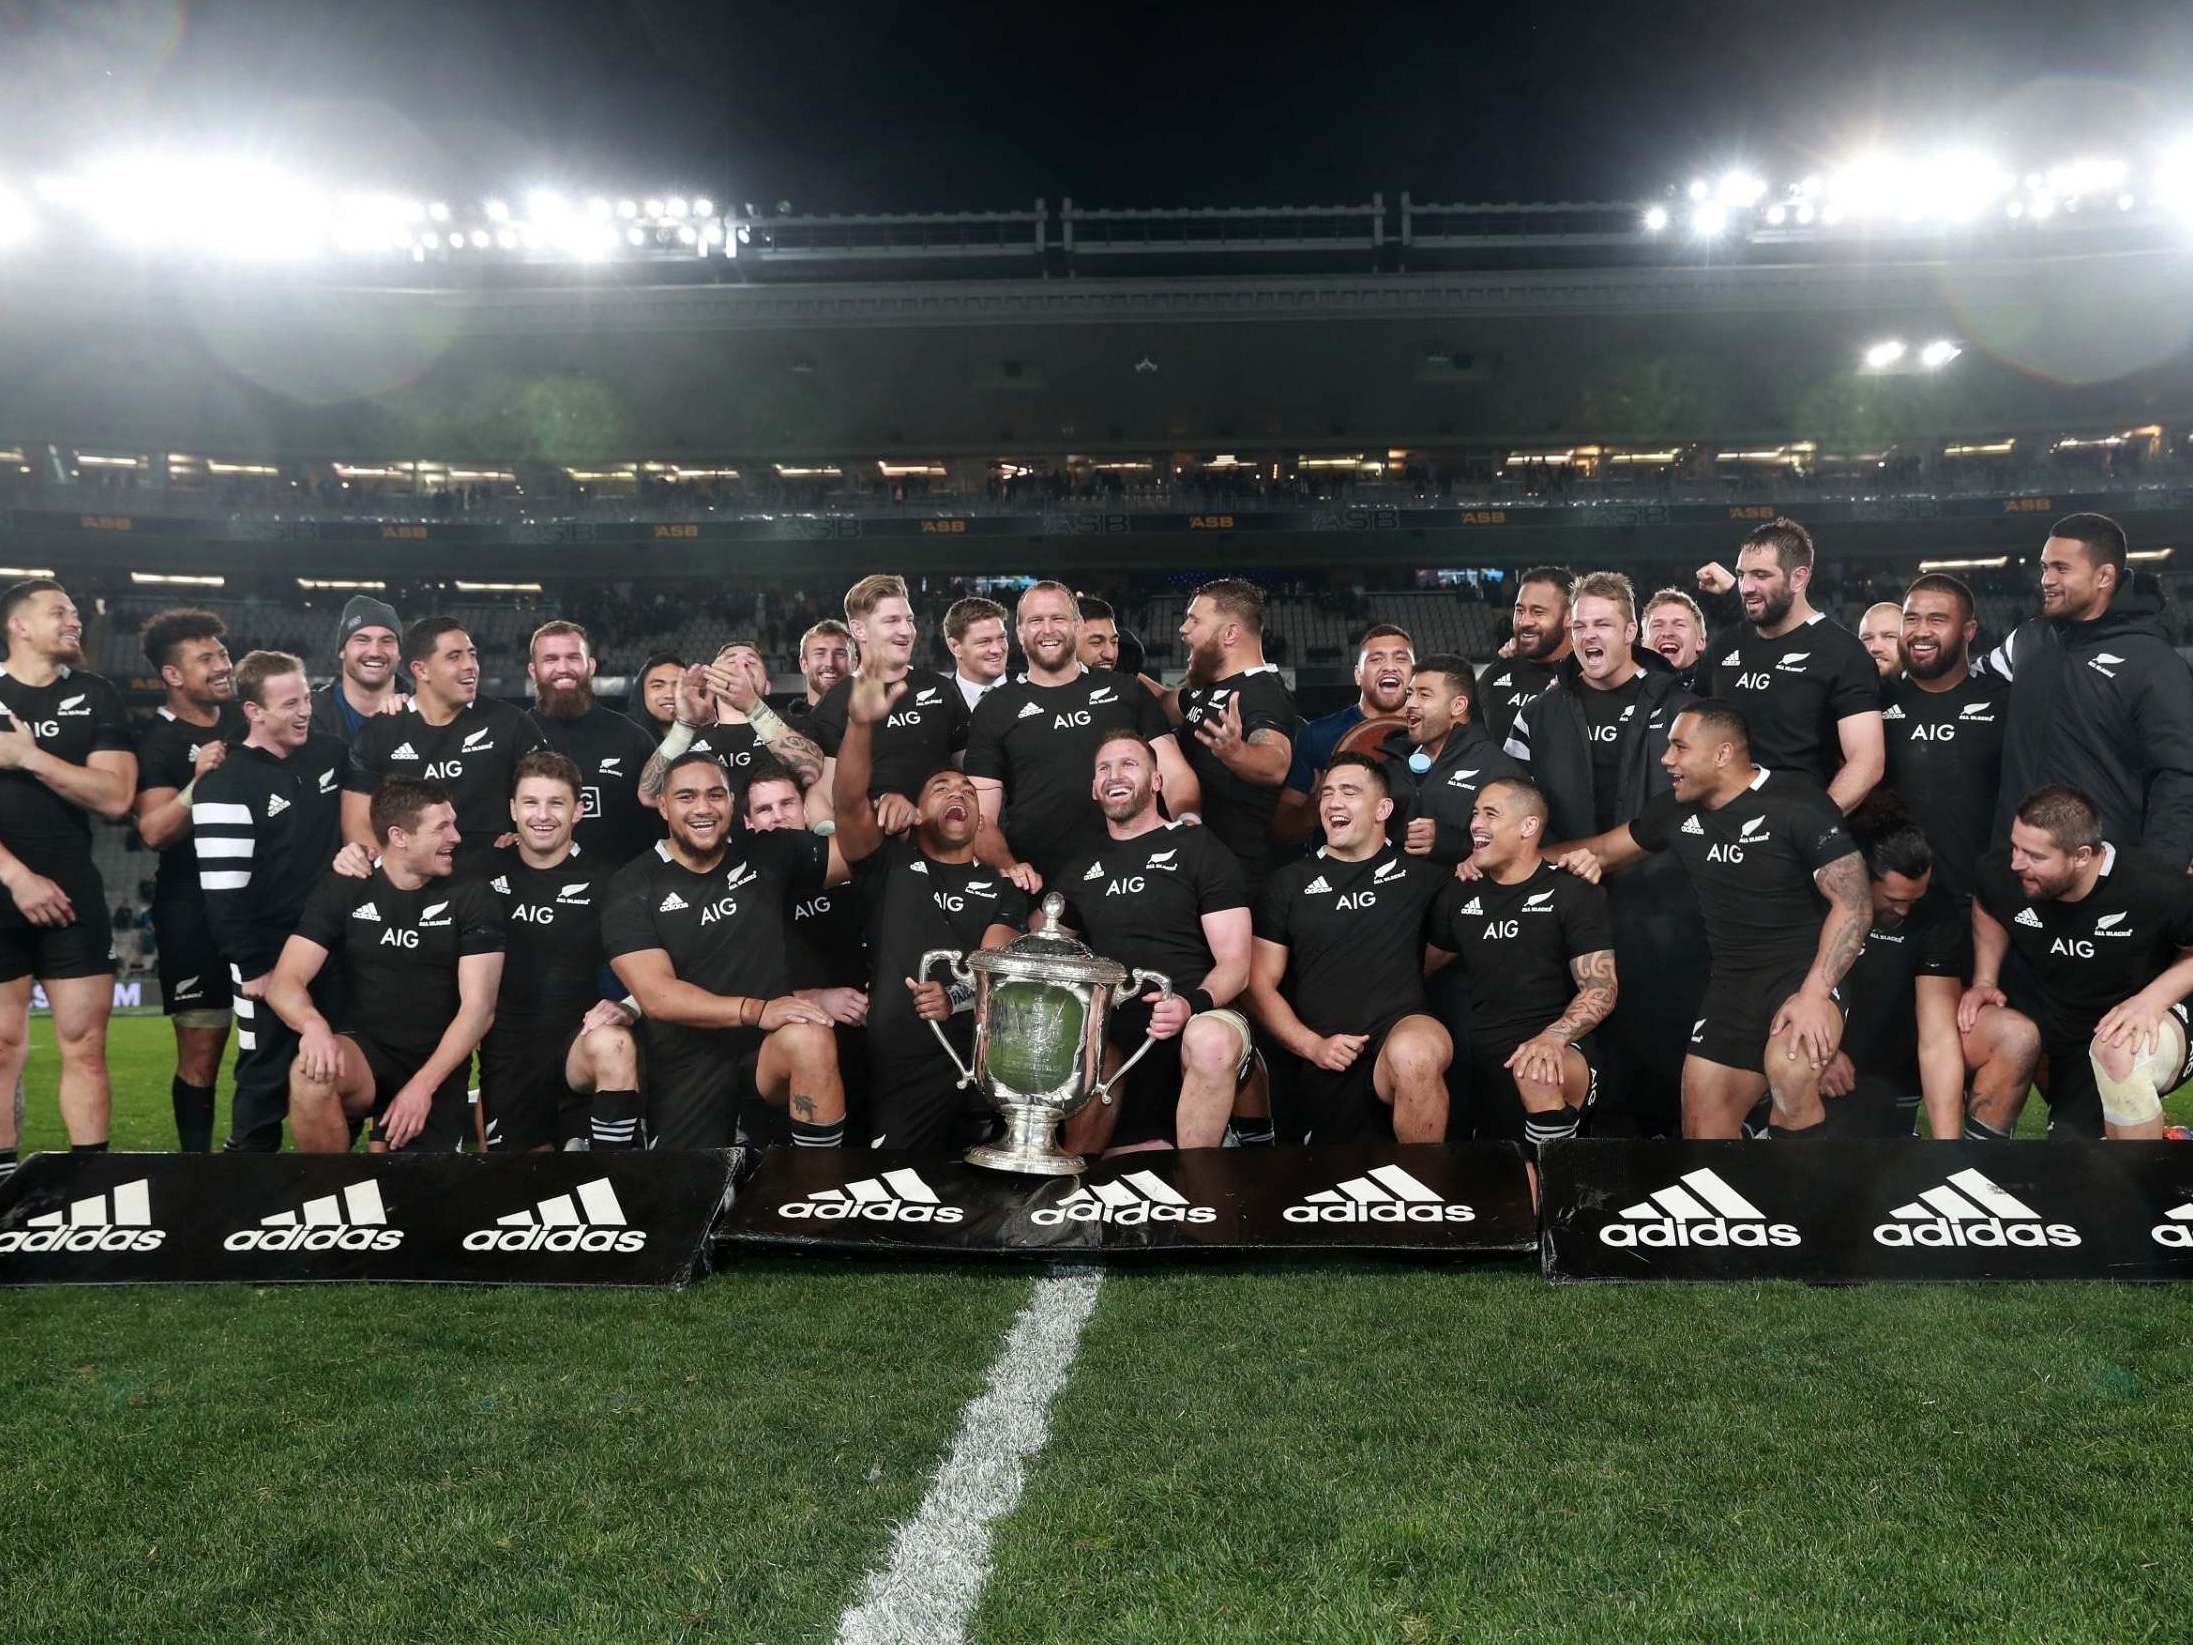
(941, 1557)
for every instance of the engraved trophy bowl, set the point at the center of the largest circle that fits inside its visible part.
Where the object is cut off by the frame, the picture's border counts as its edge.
(1040, 1007)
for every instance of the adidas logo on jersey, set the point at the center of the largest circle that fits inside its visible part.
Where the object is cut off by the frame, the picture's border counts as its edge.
(1697, 1210)
(1476, 905)
(2096, 661)
(1136, 1198)
(1317, 887)
(1894, 711)
(1096, 872)
(1968, 1209)
(352, 1220)
(594, 1223)
(1385, 1193)
(477, 742)
(1735, 659)
(119, 1220)
(1691, 825)
(366, 911)
(1794, 663)
(918, 866)
(2027, 917)
(1388, 871)
(2176, 1228)
(1026, 709)
(896, 1196)
(404, 751)
(276, 805)
(1505, 679)
(501, 882)
(670, 904)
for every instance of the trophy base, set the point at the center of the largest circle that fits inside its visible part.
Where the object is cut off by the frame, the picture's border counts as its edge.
(1028, 1147)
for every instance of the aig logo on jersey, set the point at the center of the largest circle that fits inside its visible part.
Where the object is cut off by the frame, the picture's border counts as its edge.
(1137, 1198)
(1698, 1210)
(1752, 833)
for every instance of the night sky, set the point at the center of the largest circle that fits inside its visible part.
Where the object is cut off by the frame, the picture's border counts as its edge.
(944, 107)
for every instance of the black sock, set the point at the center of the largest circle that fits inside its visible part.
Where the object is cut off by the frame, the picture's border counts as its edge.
(807, 1135)
(1907, 1117)
(8, 1163)
(1253, 1131)
(193, 1116)
(1554, 1125)
(1978, 1130)
(1783, 1133)
(616, 1120)
(87, 1147)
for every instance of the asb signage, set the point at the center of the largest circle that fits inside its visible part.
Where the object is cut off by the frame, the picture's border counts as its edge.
(1433, 1200)
(532, 1219)
(1833, 1211)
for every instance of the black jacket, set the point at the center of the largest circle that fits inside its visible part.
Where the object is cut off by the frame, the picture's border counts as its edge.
(265, 831)
(2106, 706)
(328, 719)
(1448, 791)
(1553, 743)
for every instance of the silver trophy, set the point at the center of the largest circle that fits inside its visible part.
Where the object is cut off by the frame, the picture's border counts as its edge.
(1040, 1007)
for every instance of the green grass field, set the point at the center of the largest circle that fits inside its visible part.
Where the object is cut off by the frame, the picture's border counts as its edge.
(1302, 1453)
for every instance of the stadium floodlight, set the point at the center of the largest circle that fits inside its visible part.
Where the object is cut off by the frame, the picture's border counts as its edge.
(1698, 188)
(497, 211)
(1938, 353)
(1882, 355)
(1777, 215)
(598, 207)
(1739, 189)
(479, 239)
(507, 239)
(675, 206)
(628, 208)
(636, 236)
(2173, 178)
(704, 207)
(652, 208)
(438, 211)
(1710, 221)
(1656, 219)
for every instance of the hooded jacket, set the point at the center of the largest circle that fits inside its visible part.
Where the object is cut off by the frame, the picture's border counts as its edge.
(1447, 793)
(2107, 707)
(1552, 742)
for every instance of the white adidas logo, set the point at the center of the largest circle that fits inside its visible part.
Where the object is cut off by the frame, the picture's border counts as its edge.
(1735, 659)
(404, 751)
(896, 1196)
(1697, 1210)
(1026, 709)
(501, 882)
(2027, 917)
(595, 1223)
(1505, 679)
(276, 805)
(1476, 905)
(919, 866)
(366, 911)
(1317, 887)
(1385, 1193)
(1136, 1198)
(1691, 825)
(2176, 1228)
(119, 1220)
(477, 743)
(670, 904)
(1096, 872)
(352, 1220)
(1968, 1209)
(1895, 711)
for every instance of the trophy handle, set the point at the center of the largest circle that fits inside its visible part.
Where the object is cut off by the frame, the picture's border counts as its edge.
(1103, 1092)
(956, 963)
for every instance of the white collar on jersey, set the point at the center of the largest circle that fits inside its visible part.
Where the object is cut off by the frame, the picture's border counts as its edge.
(2109, 856)
(1022, 677)
(1759, 781)
(64, 673)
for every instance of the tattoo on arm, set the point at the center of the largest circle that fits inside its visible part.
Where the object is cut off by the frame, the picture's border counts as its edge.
(1595, 995)
(652, 775)
(1844, 884)
(800, 756)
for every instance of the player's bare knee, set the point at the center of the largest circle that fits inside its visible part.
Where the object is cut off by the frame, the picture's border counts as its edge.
(808, 1046)
(611, 1054)
(1210, 1050)
(1418, 1049)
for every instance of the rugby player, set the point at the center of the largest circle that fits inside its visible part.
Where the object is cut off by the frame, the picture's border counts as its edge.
(1099, 633)
(826, 657)
(1595, 743)
(189, 736)
(1945, 727)
(974, 633)
(923, 732)
(1537, 944)
(367, 644)
(1337, 972)
(1806, 688)
(723, 712)
(2099, 700)
(1242, 717)
(2107, 936)
(609, 749)
(655, 695)
(555, 1041)
(1439, 759)
(1786, 906)
(1171, 898)
(264, 825)
(422, 957)
(449, 736)
(1033, 740)
(1675, 628)
(66, 755)
(1540, 645)
(695, 930)
(1881, 632)
(1384, 659)
(922, 890)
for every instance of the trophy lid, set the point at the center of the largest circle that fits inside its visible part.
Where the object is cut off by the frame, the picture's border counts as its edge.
(1049, 955)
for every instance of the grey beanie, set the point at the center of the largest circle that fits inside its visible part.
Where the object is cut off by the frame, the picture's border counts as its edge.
(364, 611)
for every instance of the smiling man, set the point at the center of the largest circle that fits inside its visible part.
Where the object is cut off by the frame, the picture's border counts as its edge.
(609, 750)
(1384, 659)
(448, 735)
(1439, 760)
(925, 729)
(1881, 632)
(1945, 726)
(974, 633)
(1539, 646)
(368, 641)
